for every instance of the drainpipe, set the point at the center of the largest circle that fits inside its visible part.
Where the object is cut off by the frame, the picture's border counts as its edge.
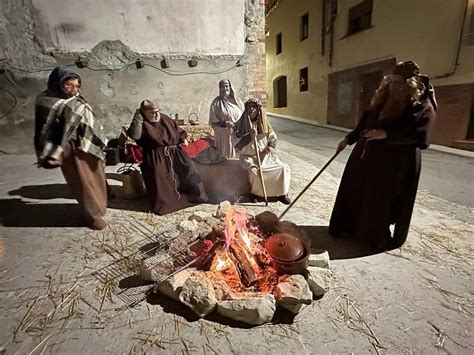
(331, 31)
(323, 27)
(456, 61)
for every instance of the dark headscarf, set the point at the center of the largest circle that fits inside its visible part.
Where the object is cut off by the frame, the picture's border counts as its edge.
(242, 127)
(57, 78)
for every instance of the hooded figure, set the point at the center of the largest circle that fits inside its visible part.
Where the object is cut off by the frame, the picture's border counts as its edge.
(224, 112)
(380, 180)
(56, 80)
(276, 174)
(398, 91)
(67, 134)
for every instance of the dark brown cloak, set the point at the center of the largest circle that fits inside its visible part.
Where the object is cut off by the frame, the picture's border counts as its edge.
(380, 180)
(171, 179)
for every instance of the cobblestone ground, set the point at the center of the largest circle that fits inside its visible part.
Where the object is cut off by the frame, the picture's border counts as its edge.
(417, 299)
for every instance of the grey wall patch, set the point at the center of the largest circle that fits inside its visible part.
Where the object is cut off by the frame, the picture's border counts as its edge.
(106, 89)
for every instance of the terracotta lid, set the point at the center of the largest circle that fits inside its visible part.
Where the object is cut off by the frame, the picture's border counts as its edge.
(284, 247)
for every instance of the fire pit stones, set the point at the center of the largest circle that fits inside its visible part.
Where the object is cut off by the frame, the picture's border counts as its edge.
(192, 288)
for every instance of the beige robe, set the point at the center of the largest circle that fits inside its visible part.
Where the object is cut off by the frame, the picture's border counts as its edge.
(276, 174)
(221, 112)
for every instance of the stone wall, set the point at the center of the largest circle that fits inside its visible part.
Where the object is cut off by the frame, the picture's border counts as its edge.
(112, 83)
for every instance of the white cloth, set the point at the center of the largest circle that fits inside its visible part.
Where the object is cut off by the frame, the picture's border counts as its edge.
(276, 174)
(221, 112)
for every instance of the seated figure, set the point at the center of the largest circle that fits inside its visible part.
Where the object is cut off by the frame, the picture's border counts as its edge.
(276, 174)
(171, 179)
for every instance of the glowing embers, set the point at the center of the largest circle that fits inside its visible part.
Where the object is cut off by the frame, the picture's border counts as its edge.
(240, 257)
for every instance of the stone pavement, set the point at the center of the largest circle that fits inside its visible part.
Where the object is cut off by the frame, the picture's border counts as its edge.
(417, 299)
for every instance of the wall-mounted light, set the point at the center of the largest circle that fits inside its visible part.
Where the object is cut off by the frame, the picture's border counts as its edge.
(267, 31)
(164, 63)
(81, 62)
(139, 63)
(238, 64)
(193, 62)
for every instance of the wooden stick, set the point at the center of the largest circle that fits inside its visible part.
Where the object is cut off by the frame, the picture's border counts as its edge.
(310, 183)
(258, 161)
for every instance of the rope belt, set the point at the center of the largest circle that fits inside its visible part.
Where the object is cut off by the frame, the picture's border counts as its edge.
(167, 154)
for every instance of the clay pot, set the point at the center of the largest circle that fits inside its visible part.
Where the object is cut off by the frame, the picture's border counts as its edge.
(284, 247)
(289, 255)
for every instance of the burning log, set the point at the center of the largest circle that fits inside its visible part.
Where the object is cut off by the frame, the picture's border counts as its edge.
(207, 259)
(247, 274)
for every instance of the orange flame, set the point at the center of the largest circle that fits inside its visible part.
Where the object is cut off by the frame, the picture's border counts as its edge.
(221, 263)
(223, 266)
(229, 227)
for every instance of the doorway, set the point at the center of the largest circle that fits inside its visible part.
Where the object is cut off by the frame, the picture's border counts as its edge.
(368, 83)
(279, 92)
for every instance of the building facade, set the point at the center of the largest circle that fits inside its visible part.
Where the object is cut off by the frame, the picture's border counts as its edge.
(325, 58)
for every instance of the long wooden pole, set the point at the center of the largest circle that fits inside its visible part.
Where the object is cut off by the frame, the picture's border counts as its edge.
(259, 162)
(310, 183)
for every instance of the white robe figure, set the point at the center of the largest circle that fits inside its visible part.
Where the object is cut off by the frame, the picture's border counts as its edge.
(257, 137)
(276, 174)
(223, 114)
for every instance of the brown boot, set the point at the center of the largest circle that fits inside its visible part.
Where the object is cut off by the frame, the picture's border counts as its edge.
(97, 224)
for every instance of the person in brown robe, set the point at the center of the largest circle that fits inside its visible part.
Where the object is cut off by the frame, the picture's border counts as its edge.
(380, 180)
(171, 179)
(67, 134)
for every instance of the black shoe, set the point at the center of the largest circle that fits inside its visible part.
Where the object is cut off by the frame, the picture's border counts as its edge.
(284, 199)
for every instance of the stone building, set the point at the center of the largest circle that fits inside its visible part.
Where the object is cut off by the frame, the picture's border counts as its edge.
(326, 57)
(184, 48)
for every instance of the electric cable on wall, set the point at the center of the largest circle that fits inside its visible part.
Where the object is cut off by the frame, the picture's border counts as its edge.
(15, 101)
(31, 71)
(171, 73)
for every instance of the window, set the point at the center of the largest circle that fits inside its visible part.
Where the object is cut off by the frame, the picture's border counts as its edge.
(279, 92)
(470, 34)
(278, 45)
(304, 27)
(360, 17)
(303, 81)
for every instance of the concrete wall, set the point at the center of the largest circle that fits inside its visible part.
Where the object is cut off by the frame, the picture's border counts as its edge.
(425, 31)
(145, 26)
(38, 35)
(296, 55)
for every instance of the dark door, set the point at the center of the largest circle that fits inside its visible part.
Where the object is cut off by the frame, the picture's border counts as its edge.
(470, 128)
(369, 82)
(280, 91)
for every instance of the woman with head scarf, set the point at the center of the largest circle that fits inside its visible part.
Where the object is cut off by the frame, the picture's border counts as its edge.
(224, 112)
(67, 134)
(171, 179)
(380, 181)
(276, 174)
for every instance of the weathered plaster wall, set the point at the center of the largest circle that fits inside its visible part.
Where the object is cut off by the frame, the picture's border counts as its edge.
(212, 27)
(112, 83)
